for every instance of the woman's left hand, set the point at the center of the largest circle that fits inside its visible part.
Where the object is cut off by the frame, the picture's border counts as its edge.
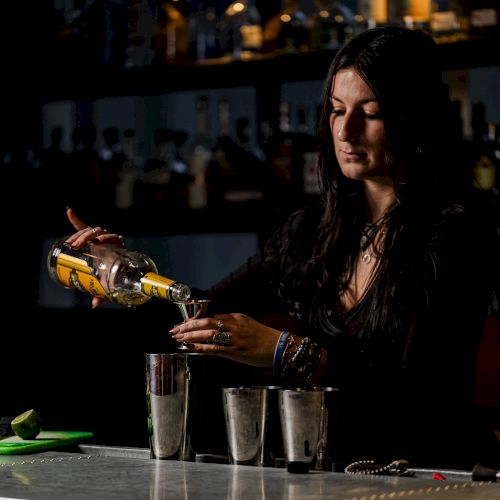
(237, 337)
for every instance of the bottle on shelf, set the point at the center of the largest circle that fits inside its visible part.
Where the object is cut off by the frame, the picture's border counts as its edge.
(241, 29)
(449, 21)
(375, 12)
(287, 31)
(170, 39)
(484, 16)
(413, 14)
(126, 277)
(199, 154)
(140, 30)
(203, 33)
(331, 24)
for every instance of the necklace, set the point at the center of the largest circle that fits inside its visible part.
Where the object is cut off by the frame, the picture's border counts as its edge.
(367, 238)
(367, 235)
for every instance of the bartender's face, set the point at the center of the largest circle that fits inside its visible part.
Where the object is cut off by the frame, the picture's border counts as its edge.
(357, 128)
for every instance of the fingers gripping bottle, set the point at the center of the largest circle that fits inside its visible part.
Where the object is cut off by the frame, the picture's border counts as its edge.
(117, 274)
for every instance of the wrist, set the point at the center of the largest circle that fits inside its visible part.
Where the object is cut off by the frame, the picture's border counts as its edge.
(299, 359)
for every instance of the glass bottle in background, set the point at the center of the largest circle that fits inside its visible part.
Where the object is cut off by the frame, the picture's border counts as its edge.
(449, 21)
(199, 153)
(220, 172)
(331, 24)
(413, 14)
(241, 29)
(288, 30)
(306, 155)
(483, 160)
(374, 12)
(113, 273)
(281, 160)
(203, 33)
(141, 27)
(484, 17)
(170, 39)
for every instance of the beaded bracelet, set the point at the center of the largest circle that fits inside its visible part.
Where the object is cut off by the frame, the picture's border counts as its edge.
(397, 467)
(301, 363)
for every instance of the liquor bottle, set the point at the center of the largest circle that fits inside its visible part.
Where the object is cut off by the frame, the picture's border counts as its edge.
(413, 14)
(484, 17)
(241, 29)
(107, 271)
(199, 154)
(170, 39)
(288, 30)
(376, 12)
(331, 24)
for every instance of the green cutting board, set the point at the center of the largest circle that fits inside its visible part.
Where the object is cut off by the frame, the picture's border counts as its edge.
(46, 440)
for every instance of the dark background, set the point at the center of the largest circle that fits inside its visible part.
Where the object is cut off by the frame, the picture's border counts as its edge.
(83, 369)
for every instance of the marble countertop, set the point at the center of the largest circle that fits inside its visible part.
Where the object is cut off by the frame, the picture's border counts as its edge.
(128, 473)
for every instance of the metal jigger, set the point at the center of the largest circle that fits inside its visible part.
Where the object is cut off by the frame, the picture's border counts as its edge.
(191, 309)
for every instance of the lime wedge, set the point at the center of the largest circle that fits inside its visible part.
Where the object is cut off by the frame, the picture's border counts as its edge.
(27, 425)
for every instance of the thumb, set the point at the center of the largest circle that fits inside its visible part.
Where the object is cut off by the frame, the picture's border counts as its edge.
(75, 221)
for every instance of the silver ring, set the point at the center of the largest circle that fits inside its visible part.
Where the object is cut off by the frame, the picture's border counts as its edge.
(94, 230)
(220, 325)
(221, 338)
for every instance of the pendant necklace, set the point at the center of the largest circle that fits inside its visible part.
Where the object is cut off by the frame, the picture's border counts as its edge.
(366, 240)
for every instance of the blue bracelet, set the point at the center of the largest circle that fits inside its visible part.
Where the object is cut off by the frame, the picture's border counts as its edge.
(278, 353)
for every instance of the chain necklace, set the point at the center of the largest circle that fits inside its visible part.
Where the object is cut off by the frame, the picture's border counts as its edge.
(368, 235)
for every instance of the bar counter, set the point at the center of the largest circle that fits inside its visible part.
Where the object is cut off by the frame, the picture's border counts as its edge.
(98, 472)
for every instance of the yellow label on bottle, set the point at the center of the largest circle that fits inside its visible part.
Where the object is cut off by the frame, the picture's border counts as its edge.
(73, 263)
(83, 281)
(155, 285)
(91, 284)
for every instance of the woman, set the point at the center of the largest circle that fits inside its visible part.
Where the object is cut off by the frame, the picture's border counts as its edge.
(384, 282)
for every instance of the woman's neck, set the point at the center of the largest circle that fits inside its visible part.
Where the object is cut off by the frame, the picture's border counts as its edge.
(379, 198)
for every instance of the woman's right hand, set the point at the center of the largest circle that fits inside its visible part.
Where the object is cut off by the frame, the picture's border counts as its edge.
(85, 234)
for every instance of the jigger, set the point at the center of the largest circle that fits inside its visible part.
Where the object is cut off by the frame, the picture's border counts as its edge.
(190, 309)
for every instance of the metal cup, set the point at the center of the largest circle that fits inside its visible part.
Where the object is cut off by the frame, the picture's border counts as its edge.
(304, 423)
(246, 412)
(184, 405)
(166, 403)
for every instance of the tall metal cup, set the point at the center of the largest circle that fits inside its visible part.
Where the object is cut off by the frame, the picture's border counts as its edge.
(252, 418)
(245, 411)
(304, 422)
(184, 404)
(166, 403)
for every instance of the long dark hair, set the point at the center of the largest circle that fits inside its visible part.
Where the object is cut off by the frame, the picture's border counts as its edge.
(403, 70)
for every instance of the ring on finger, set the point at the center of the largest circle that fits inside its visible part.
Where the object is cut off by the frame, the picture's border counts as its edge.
(221, 338)
(220, 326)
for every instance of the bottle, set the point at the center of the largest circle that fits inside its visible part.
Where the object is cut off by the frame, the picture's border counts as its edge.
(241, 29)
(287, 31)
(117, 274)
(170, 39)
(331, 24)
(199, 154)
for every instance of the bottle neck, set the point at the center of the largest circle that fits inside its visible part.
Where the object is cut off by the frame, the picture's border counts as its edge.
(155, 285)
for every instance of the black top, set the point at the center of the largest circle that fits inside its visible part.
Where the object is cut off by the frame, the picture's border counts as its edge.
(405, 397)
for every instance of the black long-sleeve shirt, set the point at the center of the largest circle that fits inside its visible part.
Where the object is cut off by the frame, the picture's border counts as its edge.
(406, 397)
